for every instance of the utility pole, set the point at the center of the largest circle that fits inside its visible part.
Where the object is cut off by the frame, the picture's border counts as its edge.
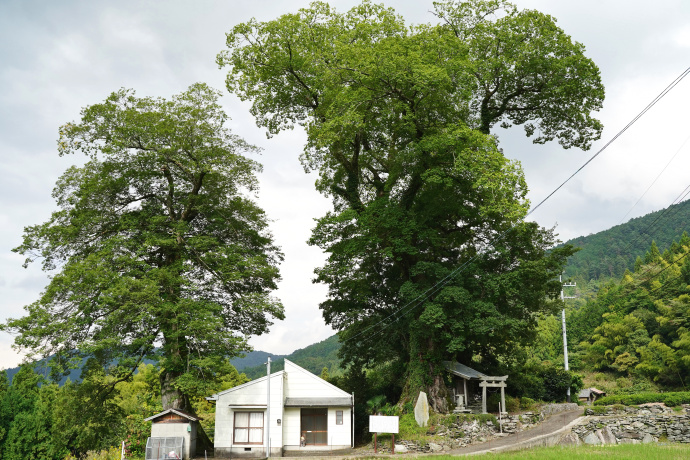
(268, 407)
(565, 337)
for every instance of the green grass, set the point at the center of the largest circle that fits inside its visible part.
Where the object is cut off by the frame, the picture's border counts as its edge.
(618, 452)
(622, 452)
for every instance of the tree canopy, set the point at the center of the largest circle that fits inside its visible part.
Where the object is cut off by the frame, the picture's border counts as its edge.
(157, 249)
(429, 255)
(639, 326)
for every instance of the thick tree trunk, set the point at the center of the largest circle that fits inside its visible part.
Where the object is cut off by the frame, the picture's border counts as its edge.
(423, 374)
(437, 394)
(171, 397)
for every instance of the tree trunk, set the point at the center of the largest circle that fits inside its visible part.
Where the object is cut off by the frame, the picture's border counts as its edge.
(423, 374)
(437, 394)
(171, 397)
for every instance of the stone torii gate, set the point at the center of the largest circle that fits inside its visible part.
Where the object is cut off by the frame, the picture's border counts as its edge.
(493, 382)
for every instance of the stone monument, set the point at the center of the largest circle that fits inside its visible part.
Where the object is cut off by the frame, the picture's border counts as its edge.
(421, 410)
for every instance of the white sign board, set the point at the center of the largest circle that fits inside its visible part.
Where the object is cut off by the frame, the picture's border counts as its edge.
(383, 424)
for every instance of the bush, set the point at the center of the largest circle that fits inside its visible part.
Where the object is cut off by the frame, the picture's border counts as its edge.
(408, 428)
(112, 453)
(512, 404)
(544, 383)
(670, 399)
(492, 401)
(527, 403)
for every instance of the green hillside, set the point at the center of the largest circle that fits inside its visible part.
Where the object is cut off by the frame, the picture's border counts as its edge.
(313, 358)
(609, 253)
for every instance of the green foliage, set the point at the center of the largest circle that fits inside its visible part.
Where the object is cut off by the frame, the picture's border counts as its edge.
(157, 249)
(375, 404)
(137, 432)
(657, 451)
(544, 382)
(114, 453)
(527, 403)
(45, 421)
(609, 253)
(670, 399)
(324, 374)
(313, 358)
(512, 404)
(408, 428)
(644, 328)
(398, 121)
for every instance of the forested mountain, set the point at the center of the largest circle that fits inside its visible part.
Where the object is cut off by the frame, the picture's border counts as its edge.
(610, 252)
(253, 359)
(639, 325)
(313, 358)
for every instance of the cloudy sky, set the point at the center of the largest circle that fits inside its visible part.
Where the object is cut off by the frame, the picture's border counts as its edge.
(57, 57)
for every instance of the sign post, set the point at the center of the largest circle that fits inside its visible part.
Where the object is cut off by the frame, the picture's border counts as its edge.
(384, 424)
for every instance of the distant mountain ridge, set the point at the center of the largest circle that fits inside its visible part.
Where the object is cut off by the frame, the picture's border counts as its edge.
(610, 252)
(313, 358)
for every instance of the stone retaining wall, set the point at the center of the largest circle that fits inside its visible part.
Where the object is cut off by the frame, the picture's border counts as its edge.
(463, 433)
(632, 425)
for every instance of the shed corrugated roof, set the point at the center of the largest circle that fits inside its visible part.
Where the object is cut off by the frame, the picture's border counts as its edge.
(318, 402)
(461, 370)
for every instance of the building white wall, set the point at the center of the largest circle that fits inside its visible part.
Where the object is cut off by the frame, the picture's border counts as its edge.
(339, 435)
(177, 430)
(293, 382)
(291, 426)
(250, 397)
(303, 384)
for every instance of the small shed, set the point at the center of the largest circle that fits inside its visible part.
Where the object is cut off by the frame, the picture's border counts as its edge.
(462, 374)
(590, 395)
(174, 423)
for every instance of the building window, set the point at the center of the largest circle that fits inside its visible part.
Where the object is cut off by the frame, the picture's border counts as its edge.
(338, 417)
(249, 428)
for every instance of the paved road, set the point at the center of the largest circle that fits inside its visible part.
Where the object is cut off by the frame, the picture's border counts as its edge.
(548, 426)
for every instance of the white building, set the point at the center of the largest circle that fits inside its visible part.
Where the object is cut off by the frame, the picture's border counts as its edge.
(306, 413)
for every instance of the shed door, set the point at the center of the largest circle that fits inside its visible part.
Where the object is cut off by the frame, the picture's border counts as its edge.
(314, 426)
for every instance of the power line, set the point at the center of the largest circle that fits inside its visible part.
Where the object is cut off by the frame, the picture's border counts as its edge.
(655, 179)
(661, 215)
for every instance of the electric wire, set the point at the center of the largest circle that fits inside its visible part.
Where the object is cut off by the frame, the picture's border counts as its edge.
(632, 122)
(444, 281)
(645, 232)
(655, 179)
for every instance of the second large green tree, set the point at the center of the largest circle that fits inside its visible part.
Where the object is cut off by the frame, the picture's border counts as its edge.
(157, 250)
(429, 254)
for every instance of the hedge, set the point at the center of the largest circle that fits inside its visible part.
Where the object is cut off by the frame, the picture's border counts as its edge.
(670, 399)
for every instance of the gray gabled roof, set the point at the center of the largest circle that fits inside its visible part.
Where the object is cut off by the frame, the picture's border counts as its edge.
(175, 411)
(318, 402)
(461, 370)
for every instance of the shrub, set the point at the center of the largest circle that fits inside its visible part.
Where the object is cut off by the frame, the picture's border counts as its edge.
(408, 428)
(527, 403)
(544, 382)
(492, 402)
(112, 453)
(512, 404)
(670, 399)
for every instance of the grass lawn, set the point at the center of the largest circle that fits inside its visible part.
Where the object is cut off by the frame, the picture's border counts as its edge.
(622, 451)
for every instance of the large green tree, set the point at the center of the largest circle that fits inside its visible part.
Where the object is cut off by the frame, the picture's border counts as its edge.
(429, 256)
(157, 250)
